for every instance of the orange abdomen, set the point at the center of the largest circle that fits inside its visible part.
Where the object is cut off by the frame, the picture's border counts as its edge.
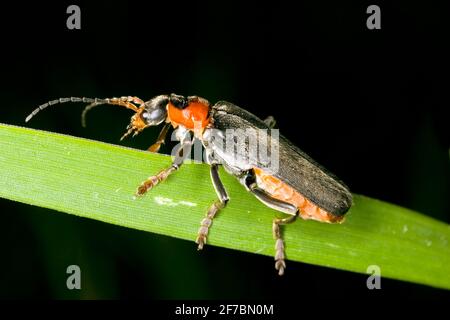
(281, 191)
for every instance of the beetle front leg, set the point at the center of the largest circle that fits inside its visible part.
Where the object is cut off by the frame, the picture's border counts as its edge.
(182, 153)
(205, 224)
(161, 138)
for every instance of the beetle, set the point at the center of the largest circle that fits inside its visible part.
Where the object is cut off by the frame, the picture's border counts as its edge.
(299, 186)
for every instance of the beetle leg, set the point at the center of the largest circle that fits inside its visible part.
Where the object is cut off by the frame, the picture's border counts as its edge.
(182, 153)
(222, 195)
(280, 264)
(162, 136)
(248, 181)
(282, 206)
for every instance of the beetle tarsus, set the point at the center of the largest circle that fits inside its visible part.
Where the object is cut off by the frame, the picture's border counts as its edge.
(206, 223)
(153, 181)
(280, 265)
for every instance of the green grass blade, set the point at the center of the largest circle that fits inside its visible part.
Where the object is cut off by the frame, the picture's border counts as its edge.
(96, 180)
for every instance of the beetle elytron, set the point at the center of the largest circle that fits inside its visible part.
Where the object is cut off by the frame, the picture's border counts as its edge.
(300, 186)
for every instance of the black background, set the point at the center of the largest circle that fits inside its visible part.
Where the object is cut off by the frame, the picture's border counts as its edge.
(370, 105)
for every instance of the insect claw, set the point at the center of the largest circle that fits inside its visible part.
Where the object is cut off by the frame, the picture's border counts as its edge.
(142, 189)
(153, 181)
(200, 241)
(154, 147)
(280, 265)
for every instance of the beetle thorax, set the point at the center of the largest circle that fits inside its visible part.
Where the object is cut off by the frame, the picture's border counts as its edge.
(194, 116)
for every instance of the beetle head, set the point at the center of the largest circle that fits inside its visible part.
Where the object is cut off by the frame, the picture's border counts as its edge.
(152, 113)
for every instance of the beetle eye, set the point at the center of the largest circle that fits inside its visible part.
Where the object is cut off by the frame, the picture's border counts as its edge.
(154, 117)
(155, 110)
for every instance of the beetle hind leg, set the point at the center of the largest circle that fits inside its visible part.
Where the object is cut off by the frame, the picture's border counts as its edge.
(248, 180)
(280, 264)
(219, 204)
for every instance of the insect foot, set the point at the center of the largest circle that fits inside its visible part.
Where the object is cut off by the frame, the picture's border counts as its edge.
(206, 223)
(280, 264)
(153, 181)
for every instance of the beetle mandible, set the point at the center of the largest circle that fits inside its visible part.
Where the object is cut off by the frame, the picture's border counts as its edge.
(298, 187)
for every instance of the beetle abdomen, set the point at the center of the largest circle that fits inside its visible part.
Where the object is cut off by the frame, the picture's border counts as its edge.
(281, 191)
(296, 169)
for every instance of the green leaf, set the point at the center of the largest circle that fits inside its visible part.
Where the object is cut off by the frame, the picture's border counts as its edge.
(97, 180)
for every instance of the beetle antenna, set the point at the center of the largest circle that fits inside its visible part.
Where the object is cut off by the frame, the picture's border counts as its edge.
(58, 101)
(126, 102)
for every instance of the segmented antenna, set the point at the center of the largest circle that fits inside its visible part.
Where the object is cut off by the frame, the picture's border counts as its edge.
(126, 102)
(64, 100)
